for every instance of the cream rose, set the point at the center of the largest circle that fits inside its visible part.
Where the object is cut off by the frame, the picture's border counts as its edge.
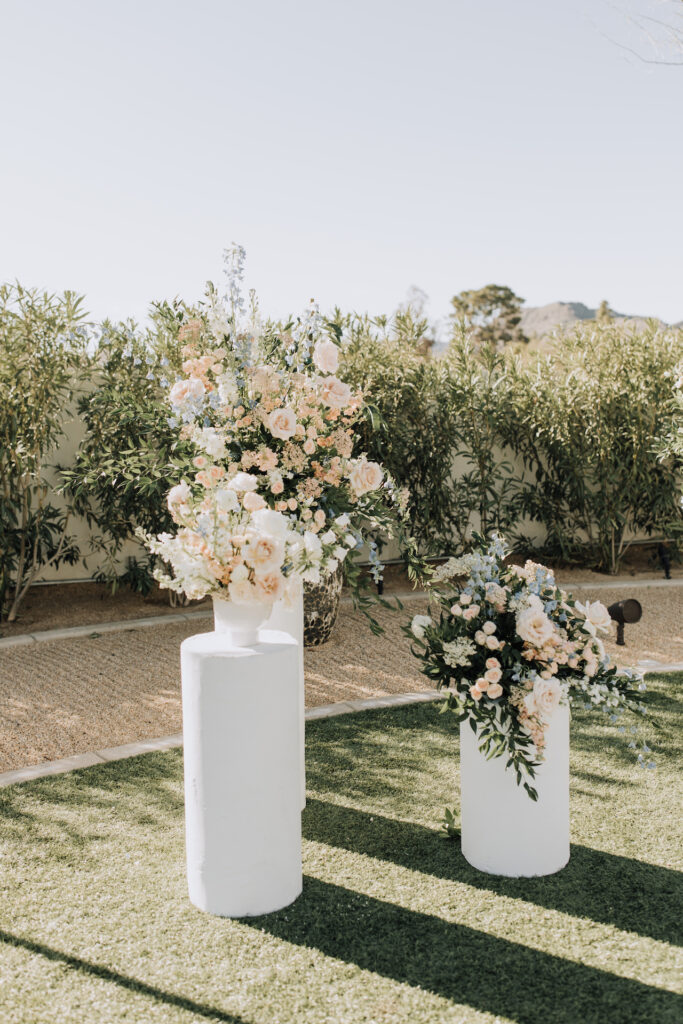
(335, 393)
(544, 698)
(365, 476)
(326, 356)
(534, 626)
(489, 628)
(269, 588)
(184, 389)
(494, 675)
(282, 423)
(242, 592)
(494, 691)
(264, 553)
(253, 501)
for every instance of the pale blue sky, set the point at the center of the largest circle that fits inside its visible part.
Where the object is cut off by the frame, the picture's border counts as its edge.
(354, 147)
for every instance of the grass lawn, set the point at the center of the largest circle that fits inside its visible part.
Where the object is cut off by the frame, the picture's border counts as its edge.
(393, 924)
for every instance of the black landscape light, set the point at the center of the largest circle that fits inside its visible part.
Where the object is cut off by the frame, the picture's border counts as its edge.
(665, 559)
(622, 612)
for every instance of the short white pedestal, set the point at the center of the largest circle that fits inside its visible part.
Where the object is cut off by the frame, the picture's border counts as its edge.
(504, 832)
(242, 786)
(291, 620)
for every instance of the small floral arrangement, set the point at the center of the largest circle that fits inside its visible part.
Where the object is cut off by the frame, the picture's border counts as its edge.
(273, 427)
(512, 646)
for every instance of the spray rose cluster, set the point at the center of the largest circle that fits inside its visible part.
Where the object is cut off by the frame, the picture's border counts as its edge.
(512, 646)
(273, 427)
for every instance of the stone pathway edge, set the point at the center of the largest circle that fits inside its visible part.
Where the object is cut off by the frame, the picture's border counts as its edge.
(108, 754)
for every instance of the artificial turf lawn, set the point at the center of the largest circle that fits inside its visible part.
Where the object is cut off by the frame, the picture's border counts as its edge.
(393, 924)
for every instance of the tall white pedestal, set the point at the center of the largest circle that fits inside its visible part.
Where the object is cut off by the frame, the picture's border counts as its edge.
(291, 620)
(242, 773)
(505, 832)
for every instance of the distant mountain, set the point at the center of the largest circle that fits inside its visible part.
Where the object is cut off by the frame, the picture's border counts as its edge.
(540, 321)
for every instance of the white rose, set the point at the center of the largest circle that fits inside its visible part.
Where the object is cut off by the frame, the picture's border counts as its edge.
(243, 482)
(282, 423)
(489, 628)
(267, 520)
(480, 637)
(596, 616)
(326, 356)
(179, 495)
(365, 476)
(314, 548)
(212, 443)
(239, 574)
(419, 624)
(226, 499)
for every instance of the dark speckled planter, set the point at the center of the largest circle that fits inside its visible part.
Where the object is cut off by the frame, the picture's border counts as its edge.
(321, 606)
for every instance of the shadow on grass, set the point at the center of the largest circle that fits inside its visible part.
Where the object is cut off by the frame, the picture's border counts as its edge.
(122, 980)
(615, 890)
(461, 963)
(73, 811)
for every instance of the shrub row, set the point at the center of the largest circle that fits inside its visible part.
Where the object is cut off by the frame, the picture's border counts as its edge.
(576, 443)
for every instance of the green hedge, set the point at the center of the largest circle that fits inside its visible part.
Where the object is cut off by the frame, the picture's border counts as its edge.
(584, 442)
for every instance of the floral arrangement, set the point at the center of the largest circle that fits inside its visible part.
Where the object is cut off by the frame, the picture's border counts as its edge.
(512, 646)
(276, 495)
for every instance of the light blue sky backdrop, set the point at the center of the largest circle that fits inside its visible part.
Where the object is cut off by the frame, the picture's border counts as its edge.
(354, 147)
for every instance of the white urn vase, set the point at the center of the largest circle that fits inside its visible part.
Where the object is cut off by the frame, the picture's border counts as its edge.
(241, 762)
(504, 831)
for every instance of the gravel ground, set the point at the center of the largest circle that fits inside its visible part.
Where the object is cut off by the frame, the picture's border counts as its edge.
(62, 605)
(65, 697)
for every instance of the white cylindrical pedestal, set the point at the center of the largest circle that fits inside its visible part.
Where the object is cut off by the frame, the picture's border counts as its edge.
(504, 831)
(291, 620)
(242, 786)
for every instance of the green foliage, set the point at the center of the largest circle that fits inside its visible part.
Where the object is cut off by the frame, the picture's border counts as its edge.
(438, 426)
(450, 824)
(493, 314)
(42, 344)
(131, 453)
(586, 423)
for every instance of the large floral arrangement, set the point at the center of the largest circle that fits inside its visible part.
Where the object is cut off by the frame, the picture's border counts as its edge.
(273, 427)
(512, 646)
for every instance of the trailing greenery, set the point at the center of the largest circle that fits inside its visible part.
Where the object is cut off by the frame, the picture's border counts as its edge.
(42, 345)
(130, 455)
(393, 924)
